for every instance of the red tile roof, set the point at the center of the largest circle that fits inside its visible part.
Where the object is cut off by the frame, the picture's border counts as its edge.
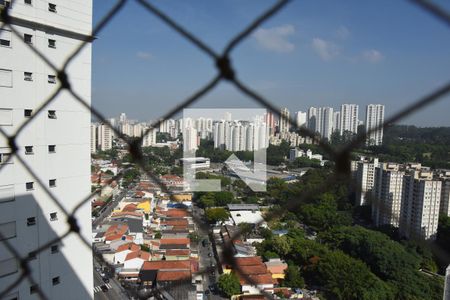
(173, 275)
(130, 208)
(138, 254)
(174, 252)
(248, 261)
(175, 213)
(256, 279)
(167, 265)
(129, 246)
(175, 241)
(251, 270)
(116, 232)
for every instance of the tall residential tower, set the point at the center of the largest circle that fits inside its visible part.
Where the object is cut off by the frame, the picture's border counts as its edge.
(55, 145)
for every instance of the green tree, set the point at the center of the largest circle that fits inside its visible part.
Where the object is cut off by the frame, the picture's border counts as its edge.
(207, 200)
(215, 215)
(293, 278)
(229, 284)
(443, 232)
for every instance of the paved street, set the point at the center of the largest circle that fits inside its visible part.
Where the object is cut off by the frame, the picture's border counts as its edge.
(206, 261)
(115, 291)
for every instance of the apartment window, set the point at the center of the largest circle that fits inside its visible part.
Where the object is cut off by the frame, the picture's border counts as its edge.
(5, 158)
(29, 2)
(53, 216)
(5, 3)
(52, 7)
(5, 38)
(55, 280)
(52, 114)
(28, 38)
(8, 267)
(51, 148)
(8, 230)
(52, 79)
(54, 249)
(29, 186)
(34, 289)
(7, 193)
(29, 150)
(32, 255)
(5, 78)
(31, 221)
(52, 183)
(6, 116)
(27, 113)
(27, 76)
(51, 43)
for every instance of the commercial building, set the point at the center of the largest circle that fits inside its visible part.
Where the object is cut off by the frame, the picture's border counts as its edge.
(55, 145)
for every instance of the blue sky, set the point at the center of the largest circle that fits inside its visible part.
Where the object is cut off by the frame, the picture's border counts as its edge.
(320, 53)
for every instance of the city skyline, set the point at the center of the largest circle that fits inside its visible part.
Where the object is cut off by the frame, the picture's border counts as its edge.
(323, 58)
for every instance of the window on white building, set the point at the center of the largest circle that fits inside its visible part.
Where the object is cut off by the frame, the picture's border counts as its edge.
(29, 150)
(51, 43)
(53, 216)
(8, 267)
(52, 183)
(51, 148)
(27, 113)
(5, 78)
(7, 193)
(4, 159)
(8, 230)
(34, 288)
(54, 249)
(52, 79)
(52, 7)
(29, 186)
(52, 114)
(31, 221)
(6, 116)
(28, 38)
(29, 2)
(27, 76)
(5, 38)
(32, 255)
(55, 280)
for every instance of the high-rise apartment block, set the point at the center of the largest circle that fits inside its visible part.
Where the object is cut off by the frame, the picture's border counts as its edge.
(374, 119)
(284, 120)
(55, 145)
(387, 194)
(365, 179)
(420, 205)
(300, 118)
(349, 118)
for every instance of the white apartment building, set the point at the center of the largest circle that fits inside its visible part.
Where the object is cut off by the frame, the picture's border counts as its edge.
(321, 120)
(337, 121)
(349, 118)
(284, 120)
(93, 138)
(387, 195)
(105, 137)
(55, 145)
(300, 118)
(444, 177)
(365, 179)
(149, 139)
(374, 119)
(420, 205)
(190, 139)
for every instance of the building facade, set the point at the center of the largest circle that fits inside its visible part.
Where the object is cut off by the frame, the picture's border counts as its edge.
(55, 145)
(374, 119)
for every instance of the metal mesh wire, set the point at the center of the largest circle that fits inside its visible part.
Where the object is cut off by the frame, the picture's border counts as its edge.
(226, 72)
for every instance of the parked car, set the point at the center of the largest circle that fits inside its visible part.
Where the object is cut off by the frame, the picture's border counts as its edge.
(105, 279)
(104, 288)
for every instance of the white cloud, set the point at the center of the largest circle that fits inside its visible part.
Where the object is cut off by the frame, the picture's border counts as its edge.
(325, 49)
(342, 33)
(372, 55)
(144, 55)
(276, 38)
